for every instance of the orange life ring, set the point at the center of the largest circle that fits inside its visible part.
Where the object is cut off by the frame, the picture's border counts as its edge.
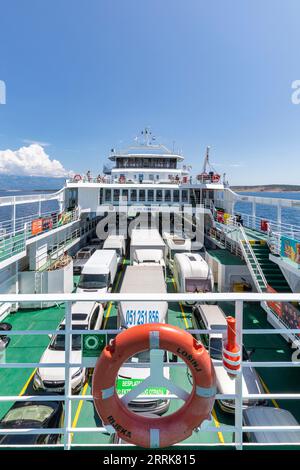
(77, 178)
(216, 178)
(160, 431)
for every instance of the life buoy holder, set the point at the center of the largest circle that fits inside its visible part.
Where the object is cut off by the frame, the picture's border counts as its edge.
(77, 177)
(161, 431)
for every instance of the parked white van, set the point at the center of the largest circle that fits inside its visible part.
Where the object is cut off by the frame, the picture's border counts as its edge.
(116, 242)
(149, 258)
(192, 274)
(99, 272)
(142, 279)
(212, 317)
(85, 316)
(146, 239)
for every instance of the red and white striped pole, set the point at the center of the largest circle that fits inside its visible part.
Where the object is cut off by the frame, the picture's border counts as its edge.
(231, 350)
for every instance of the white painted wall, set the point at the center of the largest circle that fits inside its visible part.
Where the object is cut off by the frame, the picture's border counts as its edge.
(48, 282)
(225, 275)
(88, 198)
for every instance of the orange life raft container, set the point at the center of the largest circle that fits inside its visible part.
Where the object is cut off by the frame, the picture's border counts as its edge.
(160, 431)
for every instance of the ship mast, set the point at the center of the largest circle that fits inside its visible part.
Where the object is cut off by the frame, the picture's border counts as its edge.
(206, 160)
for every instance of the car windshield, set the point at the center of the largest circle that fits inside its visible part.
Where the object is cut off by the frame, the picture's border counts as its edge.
(58, 341)
(83, 255)
(173, 252)
(93, 281)
(28, 413)
(215, 348)
(197, 285)
(118, 250)
(144, 356)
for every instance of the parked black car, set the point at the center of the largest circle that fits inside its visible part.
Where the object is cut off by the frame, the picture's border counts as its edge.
(31, 414)
(4, 339)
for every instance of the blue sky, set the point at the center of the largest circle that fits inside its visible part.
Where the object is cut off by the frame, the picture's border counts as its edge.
(84, 75)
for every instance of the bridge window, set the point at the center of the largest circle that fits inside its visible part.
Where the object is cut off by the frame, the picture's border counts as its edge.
(176, 195)
(124, 195)
(167, 195)
(150, 195)
(159, 195)
(108, 195)
(133, 195)
(184, 195)
(142, 195)
(116, 195)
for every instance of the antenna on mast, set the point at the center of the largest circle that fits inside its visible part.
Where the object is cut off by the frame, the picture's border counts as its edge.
(206, 159)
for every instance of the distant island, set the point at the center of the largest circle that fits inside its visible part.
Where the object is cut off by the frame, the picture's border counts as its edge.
(271, 188)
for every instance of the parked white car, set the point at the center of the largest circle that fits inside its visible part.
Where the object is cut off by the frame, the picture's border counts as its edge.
(212, 317)
(85, 316)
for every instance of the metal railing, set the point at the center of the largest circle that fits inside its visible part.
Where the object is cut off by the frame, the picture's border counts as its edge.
(254, 222)
(67, 430)
(14, 242)
(252, 262)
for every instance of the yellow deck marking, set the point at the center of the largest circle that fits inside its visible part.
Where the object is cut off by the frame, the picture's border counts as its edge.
(79, 407)
(268, 391)
(217, 424)
(181, 307)
(110, 303)
(22, 392)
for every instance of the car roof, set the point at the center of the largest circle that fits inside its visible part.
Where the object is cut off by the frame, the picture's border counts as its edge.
(83, 307)
(21, 404)
(214, 316)
(80, 313)
(270, 416)
(87, 248)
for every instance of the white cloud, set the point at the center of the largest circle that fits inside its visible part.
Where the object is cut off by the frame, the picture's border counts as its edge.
(31, 161)
(38, 142)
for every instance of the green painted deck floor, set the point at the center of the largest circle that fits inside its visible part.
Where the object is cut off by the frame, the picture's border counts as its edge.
(225, 257)
(30, 348)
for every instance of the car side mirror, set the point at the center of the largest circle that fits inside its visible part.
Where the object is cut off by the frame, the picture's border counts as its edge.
(250, 352)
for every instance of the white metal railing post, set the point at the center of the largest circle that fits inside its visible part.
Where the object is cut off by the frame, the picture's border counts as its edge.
(68, 387)
(239, 378)
(14, 215)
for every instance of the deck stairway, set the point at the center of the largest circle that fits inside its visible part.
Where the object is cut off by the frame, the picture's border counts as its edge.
(263, 271)
(271, 270)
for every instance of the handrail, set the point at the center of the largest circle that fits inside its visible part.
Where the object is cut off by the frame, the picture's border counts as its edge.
(244, 241)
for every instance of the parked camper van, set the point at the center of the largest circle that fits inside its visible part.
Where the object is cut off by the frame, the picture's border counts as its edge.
(192, 274)
(212, 317)
(180, 243)
(142, 279)
(99, 272)
(116, 242)
(175, 244)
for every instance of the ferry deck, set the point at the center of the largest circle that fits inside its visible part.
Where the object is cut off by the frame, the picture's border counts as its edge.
(237, 246)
